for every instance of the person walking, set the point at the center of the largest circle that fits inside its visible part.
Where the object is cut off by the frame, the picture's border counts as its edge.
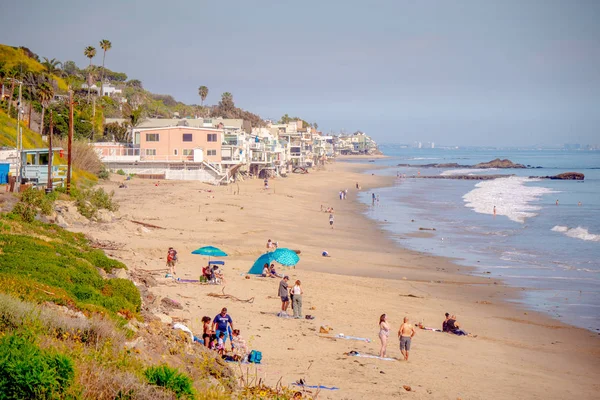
(331, 220)
(405, 334)
(283, 294)
(297, 299)
(384, 333)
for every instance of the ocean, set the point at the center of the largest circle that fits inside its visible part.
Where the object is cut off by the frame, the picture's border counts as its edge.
(550, 250)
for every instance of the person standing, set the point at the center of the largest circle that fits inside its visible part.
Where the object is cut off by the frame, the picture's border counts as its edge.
(283, 294)
(405, 334)
(297, 299)
(384, 333)
(221, 324)
(171, 260)
(331, 220)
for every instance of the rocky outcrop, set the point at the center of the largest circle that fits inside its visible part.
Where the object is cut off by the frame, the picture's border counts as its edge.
(497, 163)
(463, 177)
(567, 176)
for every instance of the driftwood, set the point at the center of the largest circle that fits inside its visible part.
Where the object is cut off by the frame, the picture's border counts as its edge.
(107, 245)
(230, 297)
(147, 225)
(411, 295)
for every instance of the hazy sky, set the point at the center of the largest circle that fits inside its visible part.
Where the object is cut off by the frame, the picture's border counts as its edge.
(479, 72)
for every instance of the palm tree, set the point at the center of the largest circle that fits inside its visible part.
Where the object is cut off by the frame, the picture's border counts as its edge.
(202, 92)
(134, 117)
(104, 45)
(11, 75)
(31, 83)
(52, 66)
(45, 92)
(90, 52)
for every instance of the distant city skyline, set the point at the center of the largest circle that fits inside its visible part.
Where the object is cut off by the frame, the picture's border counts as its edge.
(467, 72)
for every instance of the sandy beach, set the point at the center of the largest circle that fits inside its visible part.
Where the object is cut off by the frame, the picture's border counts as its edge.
(517, 353)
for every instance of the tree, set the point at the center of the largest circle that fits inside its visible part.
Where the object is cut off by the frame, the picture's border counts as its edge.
(134, 117)
(70, 68)
(117, 132)
(202, 92)
(52, 66)
(316, 126)
(104, 45)
(31, 82)
(135, 83)
(90, 52)
(45, 93)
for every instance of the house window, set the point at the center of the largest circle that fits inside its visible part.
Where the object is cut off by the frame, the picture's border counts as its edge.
(152, 137)
(150, 152)
(187, 137)
(211, 152)
(212, 137)
(188, 152)
(175, 152)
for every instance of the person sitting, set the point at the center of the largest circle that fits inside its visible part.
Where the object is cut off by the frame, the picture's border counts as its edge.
(454, 327)
(266, 272)
(240, 349)
(217, 276)
(270, 244)
(207, 273)
(445, 323)
(325, 254)
(273, 273)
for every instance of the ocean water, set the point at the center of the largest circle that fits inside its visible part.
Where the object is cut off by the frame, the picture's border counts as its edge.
(550, 250)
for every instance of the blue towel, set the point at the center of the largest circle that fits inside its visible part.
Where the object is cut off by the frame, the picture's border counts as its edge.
(317, 387)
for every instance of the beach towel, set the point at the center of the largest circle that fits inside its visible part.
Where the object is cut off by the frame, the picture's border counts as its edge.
(187, 280)
(342, 336)
(431, 329)
(183, 328)
(316, 387)
(357, 354)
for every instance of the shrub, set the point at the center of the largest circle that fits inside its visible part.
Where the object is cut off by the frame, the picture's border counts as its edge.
(89, 201)
(99, 260)
(27, 372)
(33, 201)
(171, 379)
(104, 173)
(121, 172)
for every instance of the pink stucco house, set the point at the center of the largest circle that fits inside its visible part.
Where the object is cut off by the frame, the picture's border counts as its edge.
(179, 143)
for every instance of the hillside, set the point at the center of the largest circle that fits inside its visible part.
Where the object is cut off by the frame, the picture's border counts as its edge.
(8, 134)
(19, 58)
(70, 328)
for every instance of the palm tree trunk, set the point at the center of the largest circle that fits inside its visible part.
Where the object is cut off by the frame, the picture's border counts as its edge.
(12, 93)
(102, 76)
(42, 119)
(29, 118)
(89, 83)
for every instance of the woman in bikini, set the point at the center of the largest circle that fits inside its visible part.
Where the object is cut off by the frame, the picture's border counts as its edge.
(206, 331)
(384, 332)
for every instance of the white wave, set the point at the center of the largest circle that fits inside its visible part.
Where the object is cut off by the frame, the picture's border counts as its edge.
(577, 233)
(466, 171)
(423, 158)
(511, 196)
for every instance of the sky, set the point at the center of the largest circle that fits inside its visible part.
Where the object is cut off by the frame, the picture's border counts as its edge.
(457, 72)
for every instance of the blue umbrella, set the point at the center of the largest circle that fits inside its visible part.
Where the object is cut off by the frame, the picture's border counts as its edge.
(286, 257)
(210, 251)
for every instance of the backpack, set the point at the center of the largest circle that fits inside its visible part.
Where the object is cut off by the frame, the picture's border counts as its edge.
(255, 357)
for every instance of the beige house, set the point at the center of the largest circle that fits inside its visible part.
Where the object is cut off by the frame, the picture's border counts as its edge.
(179, 143)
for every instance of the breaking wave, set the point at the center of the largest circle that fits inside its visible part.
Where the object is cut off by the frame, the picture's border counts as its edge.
(511, 196)
(466, 171)
(577, 233)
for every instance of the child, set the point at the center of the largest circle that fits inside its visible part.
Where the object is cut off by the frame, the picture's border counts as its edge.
(221, 344)
(207, 333)
(239, 345)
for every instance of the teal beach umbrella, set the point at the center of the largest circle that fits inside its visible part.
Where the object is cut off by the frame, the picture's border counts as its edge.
(210, 251)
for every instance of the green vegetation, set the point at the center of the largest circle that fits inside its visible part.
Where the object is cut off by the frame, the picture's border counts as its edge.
(28, 372)
(33, 201)
(8, 133)
(89, 201)
(42, 262)
(172, 379)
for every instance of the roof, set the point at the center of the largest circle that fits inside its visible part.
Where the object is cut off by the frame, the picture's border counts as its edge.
(41, 150)
(179, 127)
(189, 122)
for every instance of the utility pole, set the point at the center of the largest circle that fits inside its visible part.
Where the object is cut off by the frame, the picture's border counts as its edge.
(70, 142)
(19, 140)
(50, 154)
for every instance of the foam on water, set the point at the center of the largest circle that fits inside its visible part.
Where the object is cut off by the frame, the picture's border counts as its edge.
(466, 171)
(511, 196)
(577, 233)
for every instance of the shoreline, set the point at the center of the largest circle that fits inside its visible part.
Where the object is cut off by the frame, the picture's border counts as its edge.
(368, 274)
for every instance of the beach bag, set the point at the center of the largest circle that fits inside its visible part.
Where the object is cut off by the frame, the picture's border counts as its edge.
(255, 357)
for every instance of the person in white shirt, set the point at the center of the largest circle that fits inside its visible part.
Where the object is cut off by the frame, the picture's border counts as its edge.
(297, 293)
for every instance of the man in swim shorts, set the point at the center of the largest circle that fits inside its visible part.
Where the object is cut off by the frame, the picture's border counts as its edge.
(405, 334)
(284, 295)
